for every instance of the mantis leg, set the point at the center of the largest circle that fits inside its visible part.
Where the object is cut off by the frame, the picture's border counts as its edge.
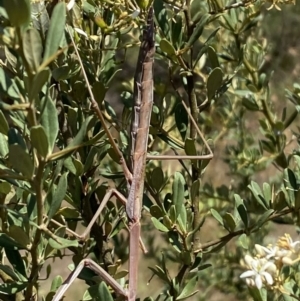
(84, 235)
(98, 270)
(90, 263)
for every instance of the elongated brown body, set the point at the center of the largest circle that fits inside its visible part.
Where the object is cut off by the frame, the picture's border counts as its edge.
(143, 101)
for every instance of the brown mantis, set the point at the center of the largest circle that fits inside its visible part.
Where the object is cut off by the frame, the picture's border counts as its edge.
(141, 114)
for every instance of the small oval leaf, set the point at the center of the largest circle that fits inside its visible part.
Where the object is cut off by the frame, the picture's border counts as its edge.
(56, 30)
(18, 11)
(217, 216)
(178, 192)
(158, 225)
(49, 121)
(229, 222)
(19, 235)
(20, 160)
(32, 47)
(167, 47)
(39, 140)
(214, 82)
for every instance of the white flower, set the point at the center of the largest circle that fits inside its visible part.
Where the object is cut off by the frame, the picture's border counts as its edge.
(80, 31)
(286, 242)
(135, 14)
(287, 250)
(70, 4)
(268, 252)
(260, 271)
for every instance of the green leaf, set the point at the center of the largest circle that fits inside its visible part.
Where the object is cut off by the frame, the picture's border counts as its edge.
(158, 271)
(195, 189)
(190, 149)
(9, 243)
(281, 160)
(167, 47)
(204, 266)
(158, 225)
(56, 30)
(297, 200)
(157, 179)
(61, 73)
(20, 160)
(99, 92)
(3, 124)
(39, 80)
(62, 243)
(167, 222)
(289, 287)
(14, 137)
(18, 11)
(263, 218)
(92, 293)
(182, 219)
(89, 162)
(69, 165)
(5, 188)
(12, 288)
(161, 17)
(217, 216)
(9, 271)
(188, 290)
(41, 18)
(169, 140)
(205, 46)
(48, 271)
(214, 82)
(120, 274)
(230, 21)
(178, 192)
(88, 8)
(244, 241)
(81, 134)
(177, 30)
(69, 213)
(56, 283)
(197, 31)
(229, 222)
(258, 295)
(250, 103)
(241, 209)
(257, 193)
(267, 193)
(280, 201)
(291, 186)
(3, 146)
(39, 140)
(104, 293)
(182, 120)
(213, 57)
(19, 235)
(5, 81)
(78, 166)
(58, 195)
(16, 261)
(32, 47)
(49, 121)
(110, 110)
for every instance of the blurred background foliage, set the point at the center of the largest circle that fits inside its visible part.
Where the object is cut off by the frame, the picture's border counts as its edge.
(235, 64)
